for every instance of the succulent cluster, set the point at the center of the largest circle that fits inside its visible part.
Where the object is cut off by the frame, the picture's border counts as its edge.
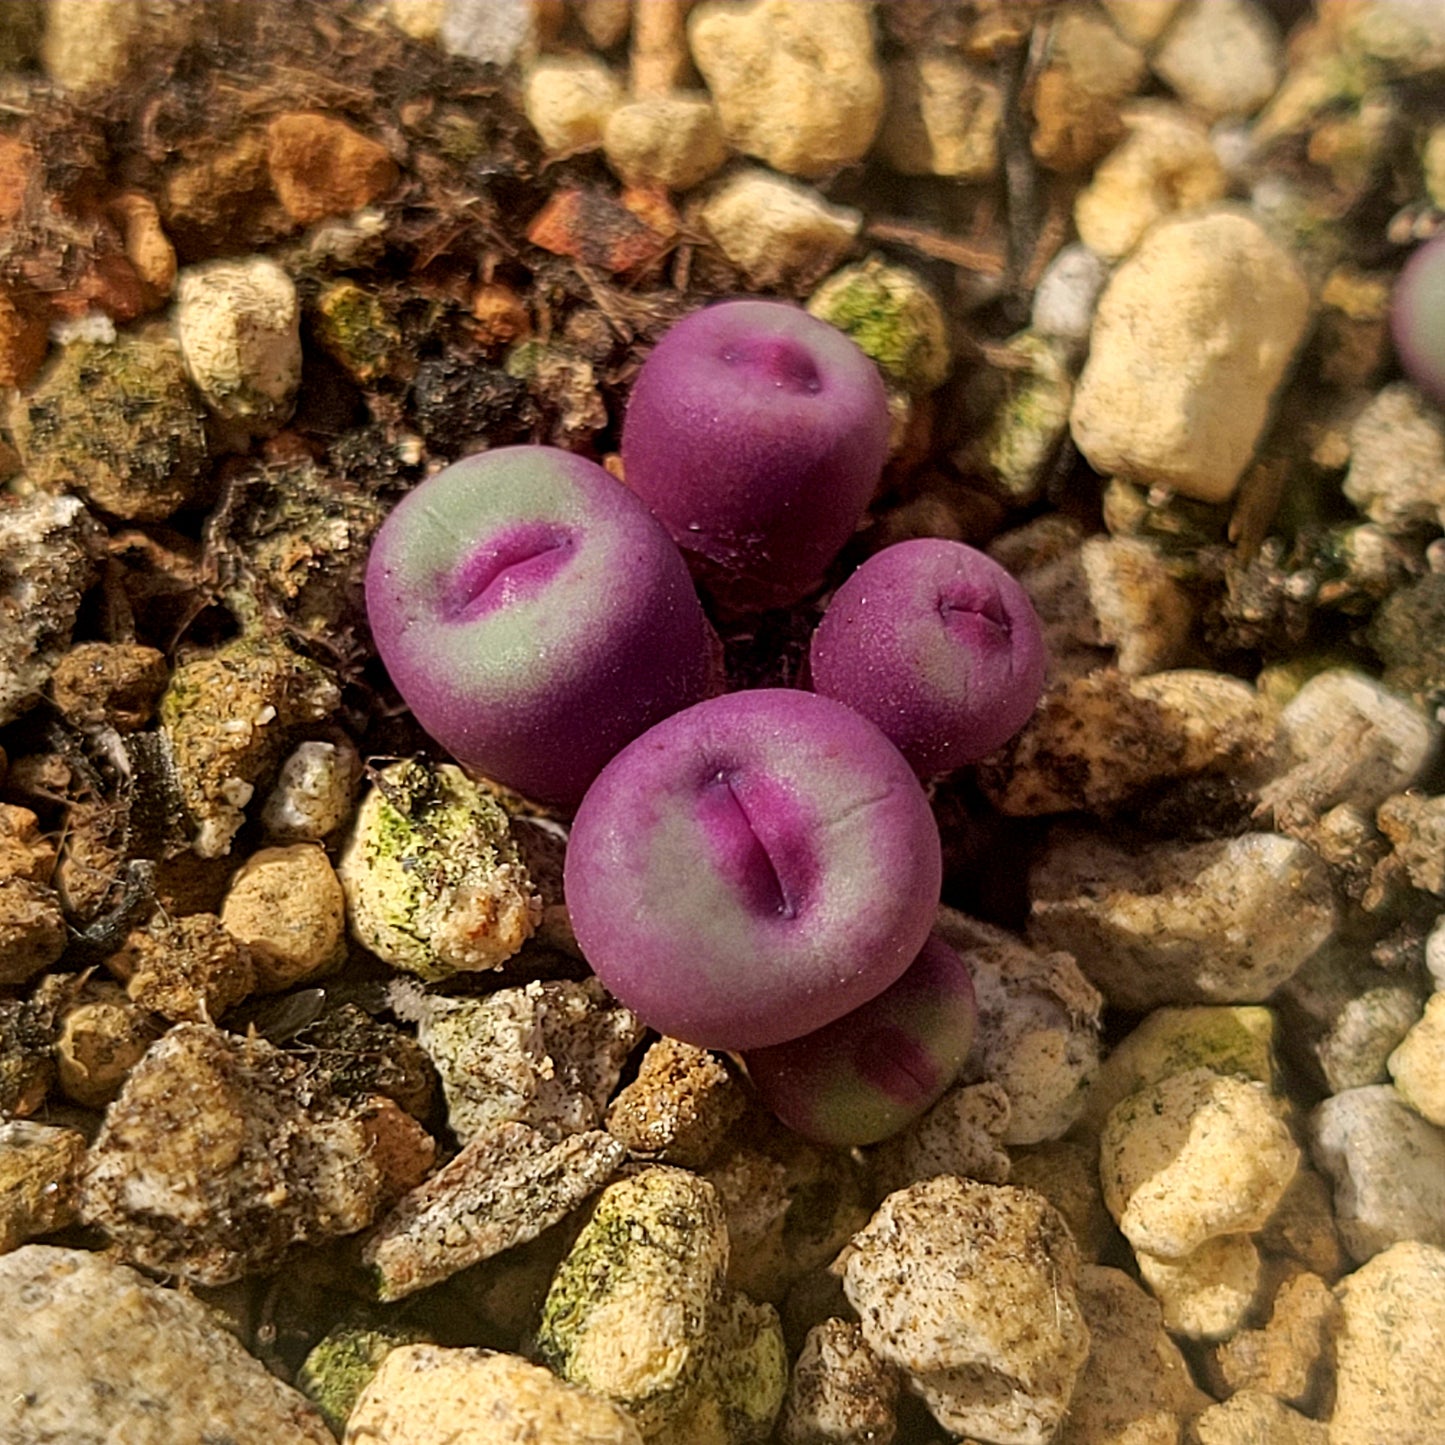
(759, 870)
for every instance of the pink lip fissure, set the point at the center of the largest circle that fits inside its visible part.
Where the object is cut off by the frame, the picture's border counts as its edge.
(514, 563)
(730, 819)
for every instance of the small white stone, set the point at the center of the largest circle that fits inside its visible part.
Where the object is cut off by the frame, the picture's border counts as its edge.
(777, 232)
(421, 19)
(1387, 1165)
(1192, 336)
(1227, 921)
(668, 140)
(568, 98)
(1067, 294)
(1206, 1295)
(1397, 461)
(1347, 739)
(494, 32)
(1194, 1156)
(1388, 1347)
(1435, 952)
(797, 83)
(239, 326)
(1166, 163)
(1418, 1065)
(1222, 56)
(943, 118)
(314, 792)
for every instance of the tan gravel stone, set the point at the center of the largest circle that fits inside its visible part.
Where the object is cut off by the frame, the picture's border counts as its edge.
(91, 1351)
(39, 1177)
(1164, 164)
(1192, 336)
(1388, 1348)
(678, 1108)
(568, 99)
(189, 969)
(1194, 1156)
(32, 929)
(239, 325)
(213, 1162)
(1249, 1418)
(841, 1393)
(796, 83)
(943, 117)
(970, 1290)
(1418, 1065)
(1222, 56)
(777, 232)
(1219, 922)
(1206, 1295)
(1286, 1357)
(674, 141)
(1135, 1386)
(101, 1039)
(320, 166)
(426, 1395)
(286, 906)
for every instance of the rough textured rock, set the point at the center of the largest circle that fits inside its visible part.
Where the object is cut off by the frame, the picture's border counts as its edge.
(286, 906)
(46, 565)
(961, 1134)
(1135, 1385)
(778, 233)
(1250, 1416)
(1194, 1156)
(841, 1393)
(1286, 1356)
(943, 117)
(503, 1189)
(1098, 741)
(212, 1163)
(1164, 164)
(1038, 1027)
(678, 1108)
(1388, 1348)
(1192, 336)
(426, 1395)
(1218, 922)
(568, 98)
(547, 1055)
(39, 1166)
(796, 84)
(1397, 460)
(92, 1353)
(1209, 1293)
(320, 166)
(674, 141)
(1387, 1165)
(1418, 1065)
(970, 1290)
(239, 325)
(118, 423)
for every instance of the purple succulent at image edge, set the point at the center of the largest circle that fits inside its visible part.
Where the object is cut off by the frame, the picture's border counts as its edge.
(757, 433)
(866, 1075)
(938, 645)
(753, 868)
(1417, 318)
(535, 617)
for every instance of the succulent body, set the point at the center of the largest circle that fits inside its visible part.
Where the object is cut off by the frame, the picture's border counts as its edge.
(753, 868)
(535, 617)
(1417, 319)
(938, 645)
(757, 433)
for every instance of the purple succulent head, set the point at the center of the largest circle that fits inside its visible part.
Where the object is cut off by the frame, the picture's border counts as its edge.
(938, 645)
(865, 1075)
(535, 617)
(757, 433)
(753, 868)
(1417, 318)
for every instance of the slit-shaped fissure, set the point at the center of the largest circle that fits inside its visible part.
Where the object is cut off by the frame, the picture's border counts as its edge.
(735, 831)
(508, 566)
(960, 604)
